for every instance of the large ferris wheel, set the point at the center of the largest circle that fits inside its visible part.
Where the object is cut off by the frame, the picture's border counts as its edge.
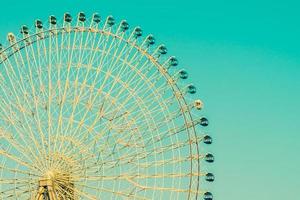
(91, 109)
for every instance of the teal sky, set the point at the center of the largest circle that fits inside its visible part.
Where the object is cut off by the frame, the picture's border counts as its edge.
(244, 58)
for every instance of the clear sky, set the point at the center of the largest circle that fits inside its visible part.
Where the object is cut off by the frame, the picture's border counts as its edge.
(244, 58)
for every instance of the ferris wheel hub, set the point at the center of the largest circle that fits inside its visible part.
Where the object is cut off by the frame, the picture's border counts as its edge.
(50, 175)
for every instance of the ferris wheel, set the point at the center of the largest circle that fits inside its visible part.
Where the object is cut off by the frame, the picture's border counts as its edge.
(91, 109)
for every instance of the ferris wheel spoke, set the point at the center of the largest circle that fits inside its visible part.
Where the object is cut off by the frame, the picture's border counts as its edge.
(95, 164)
(20, 148)
(141, 120)
(110, 67)
(142, 176)
(127, 144)
(80, 127)
(165, 162)
(113, 64)
(151, 152)
(171, 132)
(70, 64)
(35, 98)
(32, 87)
(79, 192)
(19, 161)
(22, 110)
(143, 187)
(49, 78)
(63, 97)
(121, 114)
(132, 107)
(116, 193)
(168, 148)
(74, 105)
(12, 193)
(150, 164)
(28, 152)
(63, 190)
(151, 100)
(28, 172)
(110, 74)
(114, 147)
(16, 181)
(97, 138)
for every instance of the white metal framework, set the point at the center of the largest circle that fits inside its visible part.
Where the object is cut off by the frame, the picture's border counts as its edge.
(91, 110)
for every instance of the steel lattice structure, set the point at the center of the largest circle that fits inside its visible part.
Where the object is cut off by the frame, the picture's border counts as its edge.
(91, 110)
